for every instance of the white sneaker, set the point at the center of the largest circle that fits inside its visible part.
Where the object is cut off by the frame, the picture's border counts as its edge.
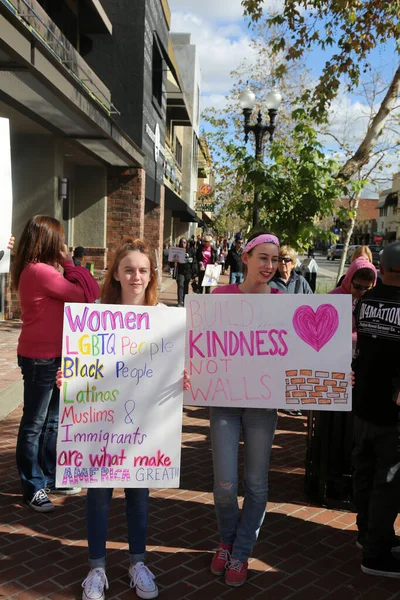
(94, 584)
(143, 580)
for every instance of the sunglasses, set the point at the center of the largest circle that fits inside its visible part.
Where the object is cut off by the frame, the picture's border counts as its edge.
(183, 242)
(361, 288)
(285, 259)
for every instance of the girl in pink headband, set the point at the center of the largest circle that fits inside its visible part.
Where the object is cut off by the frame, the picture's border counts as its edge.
(238, 532)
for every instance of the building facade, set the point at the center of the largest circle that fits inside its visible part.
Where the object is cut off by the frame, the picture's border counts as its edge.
(84, 84)
(389, 212)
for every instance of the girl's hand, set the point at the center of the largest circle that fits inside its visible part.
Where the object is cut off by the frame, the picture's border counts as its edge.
(11, 243)
(352, 379)
(64, 254)
(186, 380)
(59, 378)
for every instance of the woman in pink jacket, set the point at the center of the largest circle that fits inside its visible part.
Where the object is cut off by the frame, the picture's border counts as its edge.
(42, 292)
(360, 277)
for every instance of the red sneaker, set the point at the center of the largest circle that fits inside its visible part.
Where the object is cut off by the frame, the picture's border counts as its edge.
(236, 572)
(221, 559)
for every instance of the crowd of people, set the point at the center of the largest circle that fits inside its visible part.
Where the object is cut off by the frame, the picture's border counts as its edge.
(261, 266)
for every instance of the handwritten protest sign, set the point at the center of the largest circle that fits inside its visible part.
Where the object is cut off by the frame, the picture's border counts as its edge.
(211, 276)
(6, 194)
(176, 255)
(121, 402)
(275, 351)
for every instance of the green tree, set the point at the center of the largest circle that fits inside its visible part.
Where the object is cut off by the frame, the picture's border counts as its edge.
(348, 30)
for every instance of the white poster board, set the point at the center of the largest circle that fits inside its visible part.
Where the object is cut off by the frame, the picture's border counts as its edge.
(276, 351)
(121, 401)
(211, 276)
(176, 255)
(6, 194)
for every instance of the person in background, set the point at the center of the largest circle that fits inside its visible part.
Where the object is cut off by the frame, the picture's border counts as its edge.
(361, 251)
(185, 272)
(360, 277)
(238, 532)
(286, 279)
(78, 255)
(234, 261)
(376, 408)
(309, 270)
(205, 255)
(131, 280)
(42, 291)
(223, 254)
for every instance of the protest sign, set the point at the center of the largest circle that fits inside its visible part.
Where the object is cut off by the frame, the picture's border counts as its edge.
(211, 276)
(6, 194)
(176, 255)
(275, 351)
(121, 400)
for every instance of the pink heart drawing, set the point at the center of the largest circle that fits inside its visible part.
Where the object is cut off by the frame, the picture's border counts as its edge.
(316, 328)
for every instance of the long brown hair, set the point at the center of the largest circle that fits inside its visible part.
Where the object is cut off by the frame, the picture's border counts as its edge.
(111, 290)
(41, 241)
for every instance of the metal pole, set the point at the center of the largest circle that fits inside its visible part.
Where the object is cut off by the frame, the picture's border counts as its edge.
(259, 134)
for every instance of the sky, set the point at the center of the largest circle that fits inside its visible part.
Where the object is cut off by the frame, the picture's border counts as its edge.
(222, 38)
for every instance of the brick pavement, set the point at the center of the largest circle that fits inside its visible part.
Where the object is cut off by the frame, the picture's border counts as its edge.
(304, 551)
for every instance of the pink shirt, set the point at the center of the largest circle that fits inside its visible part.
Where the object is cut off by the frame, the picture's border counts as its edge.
(42, 292)
(233, 288)
(206, 256)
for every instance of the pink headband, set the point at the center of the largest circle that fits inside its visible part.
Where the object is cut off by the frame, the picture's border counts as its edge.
(265, 238)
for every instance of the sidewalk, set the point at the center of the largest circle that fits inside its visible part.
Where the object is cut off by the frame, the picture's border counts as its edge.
(303, 552)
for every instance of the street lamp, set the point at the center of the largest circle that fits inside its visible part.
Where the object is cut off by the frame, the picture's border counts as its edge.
(247, 101)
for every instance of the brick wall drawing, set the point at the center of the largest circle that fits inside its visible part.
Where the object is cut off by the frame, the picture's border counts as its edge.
(307, 386)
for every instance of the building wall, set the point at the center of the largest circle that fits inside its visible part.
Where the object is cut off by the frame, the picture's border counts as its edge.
(35, 184)
(189, 69)
(90, 207)
(118, 61)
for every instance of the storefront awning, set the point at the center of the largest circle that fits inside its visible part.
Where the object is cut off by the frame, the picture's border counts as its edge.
(179, 207)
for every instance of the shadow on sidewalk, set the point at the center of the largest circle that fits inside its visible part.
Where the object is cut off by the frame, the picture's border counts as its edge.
(182, 537)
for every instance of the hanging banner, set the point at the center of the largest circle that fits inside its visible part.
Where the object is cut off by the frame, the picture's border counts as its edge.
(275, 351)
(121, 401)
(6, 194)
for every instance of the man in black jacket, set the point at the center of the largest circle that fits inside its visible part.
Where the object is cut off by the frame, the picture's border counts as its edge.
(186, 271)
(376, 405)
(234, 261)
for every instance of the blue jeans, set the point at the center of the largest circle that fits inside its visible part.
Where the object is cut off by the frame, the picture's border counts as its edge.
(97, 509)
(236, 277)
(258, 426)
(37, 435)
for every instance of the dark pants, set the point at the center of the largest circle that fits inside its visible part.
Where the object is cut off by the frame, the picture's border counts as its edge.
(97, 510)
(376, 462)
(183, 287)
(206, 288)
(37, 435)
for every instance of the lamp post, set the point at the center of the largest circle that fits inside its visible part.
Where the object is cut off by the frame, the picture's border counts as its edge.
(247, 101)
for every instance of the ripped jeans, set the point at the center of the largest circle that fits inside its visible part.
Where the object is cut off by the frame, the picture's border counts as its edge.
(376, 484)
(258, 425)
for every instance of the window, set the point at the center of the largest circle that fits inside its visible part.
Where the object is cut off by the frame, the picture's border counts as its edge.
(157, 73)
(178, 152)
(383, 211)
(195, 152)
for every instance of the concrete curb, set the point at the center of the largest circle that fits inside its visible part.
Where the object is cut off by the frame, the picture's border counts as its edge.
(11, 398)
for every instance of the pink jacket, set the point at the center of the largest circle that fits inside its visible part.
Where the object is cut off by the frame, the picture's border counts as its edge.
(345, 287)
(42, 292)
